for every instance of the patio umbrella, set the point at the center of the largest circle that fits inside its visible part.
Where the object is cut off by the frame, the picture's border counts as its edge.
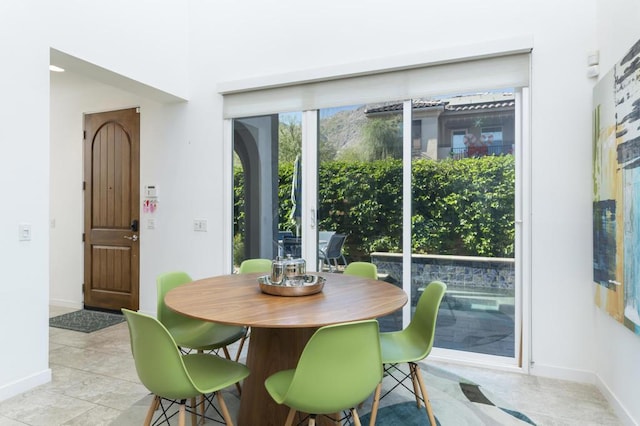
(296, 195)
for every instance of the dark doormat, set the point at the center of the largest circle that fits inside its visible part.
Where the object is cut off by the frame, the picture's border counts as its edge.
(85, 321)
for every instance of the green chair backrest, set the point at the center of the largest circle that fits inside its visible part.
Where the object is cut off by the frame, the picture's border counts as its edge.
(158, 361)
(164, 283)
(422, 327)
(340, 367)
(362, 269)
(250, 266)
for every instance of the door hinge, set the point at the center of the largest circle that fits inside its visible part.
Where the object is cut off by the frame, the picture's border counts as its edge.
(84, 185)
(82, 288)
(84, 134)
(83, 237)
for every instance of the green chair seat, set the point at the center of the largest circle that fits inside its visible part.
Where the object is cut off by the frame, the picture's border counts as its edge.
(190, 333)
(199, 367)
(204, 336)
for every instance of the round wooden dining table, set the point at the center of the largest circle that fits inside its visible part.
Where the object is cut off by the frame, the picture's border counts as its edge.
(280, 325)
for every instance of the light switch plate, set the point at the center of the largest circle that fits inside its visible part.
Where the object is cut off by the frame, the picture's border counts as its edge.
(24, 232)
(200, 225)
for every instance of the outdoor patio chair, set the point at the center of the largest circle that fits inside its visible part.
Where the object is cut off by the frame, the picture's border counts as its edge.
(333, 252)
(292, 246)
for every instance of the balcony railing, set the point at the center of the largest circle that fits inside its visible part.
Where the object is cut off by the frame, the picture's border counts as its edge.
(481, 151)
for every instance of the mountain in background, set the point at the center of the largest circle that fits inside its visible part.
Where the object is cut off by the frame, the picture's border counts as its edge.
(343, 129)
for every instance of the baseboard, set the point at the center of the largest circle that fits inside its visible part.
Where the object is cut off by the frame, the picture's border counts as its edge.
(25, 384)
(580, 376)
(65, 303)
(618, 408)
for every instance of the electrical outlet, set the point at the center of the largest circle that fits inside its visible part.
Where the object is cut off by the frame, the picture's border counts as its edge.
(200, 225)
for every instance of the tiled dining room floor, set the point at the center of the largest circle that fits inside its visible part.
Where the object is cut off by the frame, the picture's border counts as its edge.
(94, 381)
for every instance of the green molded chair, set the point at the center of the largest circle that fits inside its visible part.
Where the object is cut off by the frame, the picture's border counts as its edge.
(362, 269)
(170, 375)
(190, 333)
(340, 366)
(414, 344)
(250, 266)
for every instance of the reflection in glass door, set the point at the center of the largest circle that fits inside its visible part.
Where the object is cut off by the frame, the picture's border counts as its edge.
(463, 218)
(455, 224)
(360, 190)
(266, 219)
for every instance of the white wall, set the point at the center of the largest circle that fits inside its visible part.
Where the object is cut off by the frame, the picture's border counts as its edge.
(188, 51)
(24, 176)
(287, 37)
(73, 95)
(617, 348)
(145, 41)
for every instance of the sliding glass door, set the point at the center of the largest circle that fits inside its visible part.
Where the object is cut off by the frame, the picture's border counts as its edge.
(415, 168)
(463, 227)
(267, 186)
(360, 168)
(423, 188)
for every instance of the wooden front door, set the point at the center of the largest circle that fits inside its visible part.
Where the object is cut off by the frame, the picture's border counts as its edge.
(111, 209)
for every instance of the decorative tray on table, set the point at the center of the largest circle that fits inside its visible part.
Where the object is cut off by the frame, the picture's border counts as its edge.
(303, 286)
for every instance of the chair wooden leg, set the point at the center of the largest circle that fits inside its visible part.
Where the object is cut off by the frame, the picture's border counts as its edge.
(203, 406)
(414, 381)
(356, 419)
(152, 409)
(226, 353)
(242, 341)
(182, 413)
(290, 416)
(375, 405)
(194, 412)
(425, 396)
(224, 409)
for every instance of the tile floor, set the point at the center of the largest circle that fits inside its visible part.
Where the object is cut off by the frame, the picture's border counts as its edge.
(94, 382)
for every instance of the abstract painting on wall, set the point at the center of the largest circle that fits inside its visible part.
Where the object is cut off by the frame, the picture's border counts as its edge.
(616, 190)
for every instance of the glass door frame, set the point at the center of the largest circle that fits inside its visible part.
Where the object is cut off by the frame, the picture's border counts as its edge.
(310, 131)
(310, 125)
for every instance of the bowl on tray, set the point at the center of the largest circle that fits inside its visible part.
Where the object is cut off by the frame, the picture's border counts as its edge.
(299, 286)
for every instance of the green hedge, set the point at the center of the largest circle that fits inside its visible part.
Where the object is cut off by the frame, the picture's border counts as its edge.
(460, 207)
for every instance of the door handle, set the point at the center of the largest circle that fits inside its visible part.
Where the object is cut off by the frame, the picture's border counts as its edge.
(132, 238)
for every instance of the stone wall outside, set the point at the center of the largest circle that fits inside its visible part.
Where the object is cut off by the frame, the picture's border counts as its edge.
(490, 276)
